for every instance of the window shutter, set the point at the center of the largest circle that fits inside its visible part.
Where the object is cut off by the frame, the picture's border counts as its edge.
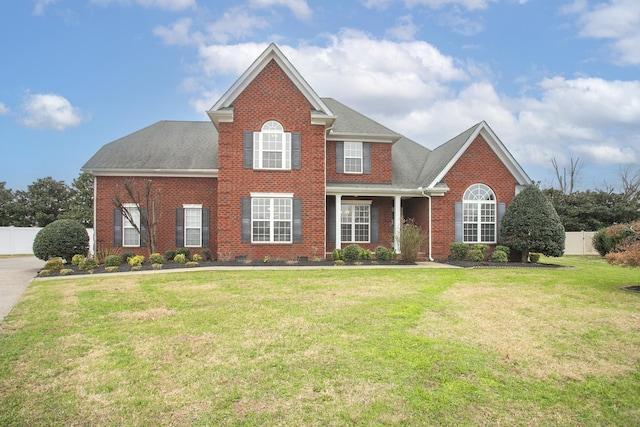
(339, 157)
(247, 159)
(458, 222)
(143, 231)
(366, 157)
(374, 224)
(179, 227)
(245, 233)
(295, 151)
(117, 228)
(205, 228)
(501, 210)
(297, 220)
(331, 223)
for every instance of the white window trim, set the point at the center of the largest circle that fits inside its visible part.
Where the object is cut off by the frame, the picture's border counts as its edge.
(258, 147)
(361, 158)
(353, 224)
(271, 197)
(191, 206)
(478, 208)
(127, 225)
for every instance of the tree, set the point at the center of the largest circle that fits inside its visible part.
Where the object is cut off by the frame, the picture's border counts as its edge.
(531, 224)
(567, 179)
(630, 180)
(62, 238)
(147, 200)
(45, 201)
(6, 204)
(81, 202)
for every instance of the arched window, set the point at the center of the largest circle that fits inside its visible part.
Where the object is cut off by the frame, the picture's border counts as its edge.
(272, 147)
(479, 214)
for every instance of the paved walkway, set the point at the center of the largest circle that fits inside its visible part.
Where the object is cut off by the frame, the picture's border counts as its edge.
(15, 275)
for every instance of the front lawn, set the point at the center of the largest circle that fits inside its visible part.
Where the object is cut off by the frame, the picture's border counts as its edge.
(327, 347)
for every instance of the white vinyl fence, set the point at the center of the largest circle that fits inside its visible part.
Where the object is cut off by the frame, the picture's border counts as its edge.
(579, 243)
(19, 240)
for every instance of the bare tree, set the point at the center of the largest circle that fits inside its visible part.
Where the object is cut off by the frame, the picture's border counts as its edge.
(630, 180)
(147, 200)
(567, 179)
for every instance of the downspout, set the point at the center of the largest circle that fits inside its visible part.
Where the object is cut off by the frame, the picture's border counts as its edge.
(422, 190)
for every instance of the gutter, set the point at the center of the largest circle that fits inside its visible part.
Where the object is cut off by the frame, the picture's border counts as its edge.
(422, 191)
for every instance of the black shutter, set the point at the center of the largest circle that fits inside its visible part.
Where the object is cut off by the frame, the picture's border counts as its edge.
(339, 157)
(247, 159)
(144, 236)
(179, 227)
(501, 210)
(117, 228)
(331, 223)
(245, 232)
(205, 228)
(458, 222)
(297, 220)
(295, 151)
(374, 224)
(366, 157)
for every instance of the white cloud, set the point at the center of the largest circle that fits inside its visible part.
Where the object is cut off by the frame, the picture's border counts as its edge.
(4, 109)
(405, 30)
(38, 8)
(236, 23)
(437, 4)
(173, 5)
(179, 33)
(50, 111)
(299, 8)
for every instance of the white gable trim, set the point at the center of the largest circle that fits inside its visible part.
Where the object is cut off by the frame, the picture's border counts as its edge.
(497, 146)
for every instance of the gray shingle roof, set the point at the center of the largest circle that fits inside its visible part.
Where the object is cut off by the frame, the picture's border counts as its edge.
(349, 121)
(165, 145)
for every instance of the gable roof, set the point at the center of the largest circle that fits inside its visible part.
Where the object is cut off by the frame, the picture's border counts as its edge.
(351, 125)
(166, 147)
(222, 110)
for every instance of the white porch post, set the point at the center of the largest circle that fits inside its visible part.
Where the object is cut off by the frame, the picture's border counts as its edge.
(397, 223)
(338, 221)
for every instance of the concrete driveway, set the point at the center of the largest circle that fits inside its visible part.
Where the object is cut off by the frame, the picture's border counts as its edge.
(15, 275)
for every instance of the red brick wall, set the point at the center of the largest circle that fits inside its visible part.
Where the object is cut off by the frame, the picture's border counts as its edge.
(380, 166)
(174, 192)
(271, 96)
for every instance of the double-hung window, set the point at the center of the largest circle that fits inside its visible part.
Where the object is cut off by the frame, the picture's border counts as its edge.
(130, 236)
(271, 219)
(355, 220)
(192, 225)
(479, 214)
(352, 157)
(272, 147)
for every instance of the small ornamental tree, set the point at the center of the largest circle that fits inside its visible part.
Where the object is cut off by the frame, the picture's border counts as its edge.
(63, 238)
(531, 224)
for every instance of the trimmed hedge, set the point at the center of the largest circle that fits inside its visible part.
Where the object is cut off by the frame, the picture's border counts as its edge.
(63, 238)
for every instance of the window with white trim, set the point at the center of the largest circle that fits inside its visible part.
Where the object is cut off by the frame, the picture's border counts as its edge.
(192, 225)
(271, 219)
(272, 147)
(353, 157)
(130, 236)
(479, 214)
(355, 222)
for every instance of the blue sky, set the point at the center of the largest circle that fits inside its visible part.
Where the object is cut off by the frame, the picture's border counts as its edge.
(553, 79)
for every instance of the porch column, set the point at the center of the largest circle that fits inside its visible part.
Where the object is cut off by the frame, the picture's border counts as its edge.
(397, 223)
(338, 221)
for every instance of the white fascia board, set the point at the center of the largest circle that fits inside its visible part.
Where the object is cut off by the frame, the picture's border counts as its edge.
(179, 173)
(336, 190)
(389, 139)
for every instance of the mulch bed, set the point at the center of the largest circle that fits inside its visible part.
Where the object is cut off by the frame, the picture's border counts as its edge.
(631, 288)
(491, 264)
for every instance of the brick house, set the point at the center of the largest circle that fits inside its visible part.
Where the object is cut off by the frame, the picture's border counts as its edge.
(278, 171)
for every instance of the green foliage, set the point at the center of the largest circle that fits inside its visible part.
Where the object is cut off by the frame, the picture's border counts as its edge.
(605, 240)
(81, 200)
(77, 259)
(197, 257)
(191, 264)
(112, 261)
(477, 252)
(66, 271)
(184, 251)
(503, 248)
(156, 266)
(87, 264)
(351, 253)
(411, 239)
(206, 253)
(365, 254)
(180, 258)
(111, 268)
(627, 251)
(499, 256)
(534, 257)
(44, 273)
(339, 262)
(136, 260)
(6, 205)
(156, 258)
(54, 264)
(531, 224)
(336, 255)
(46, 200)
(63, 238)
(458, 250)
(169, 255)
(125, 257)
(382, 253)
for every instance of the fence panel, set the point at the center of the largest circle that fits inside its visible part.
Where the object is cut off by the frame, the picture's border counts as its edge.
(19, 240)
(579, 243)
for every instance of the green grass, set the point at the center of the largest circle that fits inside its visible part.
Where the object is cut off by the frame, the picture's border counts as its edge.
(327, 347)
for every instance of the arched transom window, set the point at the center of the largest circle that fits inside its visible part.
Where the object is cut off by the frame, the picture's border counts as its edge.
(272, 147)
(479, 214)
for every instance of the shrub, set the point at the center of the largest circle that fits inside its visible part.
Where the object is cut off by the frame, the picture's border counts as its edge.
(156, 258)
(382, 253)
(499, 256)
(191, 264)
(111, 269)
(44, 273)
(478, 253)
(156, 266)
(87, 264)
(206, 253)
(184, 251)
(534, 257)
(63, 238)
(180, 258)
(351, 253)
(66, 271)
(136, 261)
(125, 257)
(336, 254)
(365, 254)
(77, 259)
(197, 257)
(503, 248)
(458, 250)
(339, 262)
(605, 240)
(411, 239)
(54, 264)
(112, 261)
(169, 255)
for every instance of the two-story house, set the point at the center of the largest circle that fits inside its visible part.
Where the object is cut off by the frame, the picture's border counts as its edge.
(278, 171)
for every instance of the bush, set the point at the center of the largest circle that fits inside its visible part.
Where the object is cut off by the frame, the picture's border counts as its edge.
(606, 239)
(382, 253)
(336, 254)
(191, 264)
(156, 258)
(206, 253)
(63, 238)
(534, 257)
(125, 257)
(499, 256)
(87, 264)
(338, 262)
(112, 261)
(478, 253)
(184, 251)
(628, 256)
(197, 257)
(54, 264)
(44, 273)
(111, 269)
(411, 239)
(169, 255)
(77, 259)
(136, 261)
(351, 253)
(180, 258)
(503, 248)
(156, 266)
(458, 250)
(66, 271)
(365, 254)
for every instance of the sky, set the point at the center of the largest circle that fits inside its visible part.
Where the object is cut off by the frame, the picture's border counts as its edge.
(554, 79)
